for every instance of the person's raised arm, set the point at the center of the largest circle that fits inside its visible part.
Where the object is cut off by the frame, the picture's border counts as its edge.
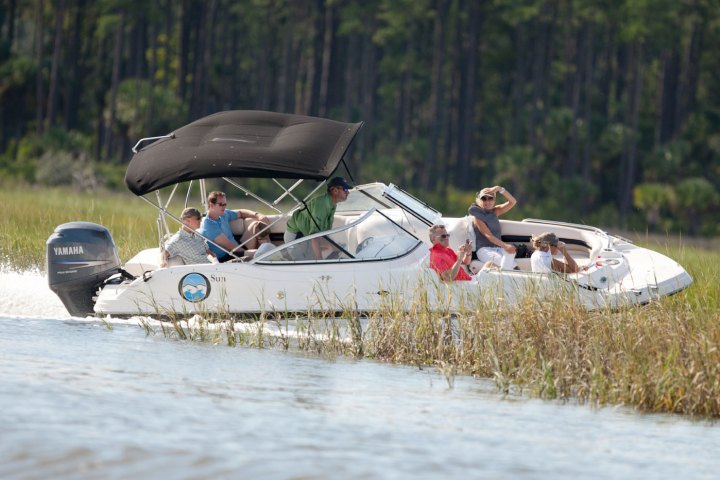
(504, 207)
(569, 265)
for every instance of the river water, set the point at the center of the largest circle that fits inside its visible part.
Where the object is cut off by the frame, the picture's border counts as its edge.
(80, 398)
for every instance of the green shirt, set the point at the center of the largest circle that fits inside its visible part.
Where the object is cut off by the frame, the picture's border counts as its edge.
(323, 211)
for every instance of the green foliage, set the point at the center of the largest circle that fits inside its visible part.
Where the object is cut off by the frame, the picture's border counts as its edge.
(520, 114)
(58, 157)
(653, 198)
(556, 130)
(696, 194)
(132, 108)
(695, 197)
(16, 74)
(666, 161)
(520, 169)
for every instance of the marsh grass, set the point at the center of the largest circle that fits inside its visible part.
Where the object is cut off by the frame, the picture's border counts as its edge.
(34, 213)
(662, 357)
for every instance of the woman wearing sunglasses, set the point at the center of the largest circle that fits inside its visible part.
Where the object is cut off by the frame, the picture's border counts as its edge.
(488, 235)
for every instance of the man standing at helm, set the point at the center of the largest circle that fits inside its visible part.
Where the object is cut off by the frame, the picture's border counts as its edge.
(318, 214)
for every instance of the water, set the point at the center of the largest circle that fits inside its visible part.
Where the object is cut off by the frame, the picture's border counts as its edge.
(80, 400)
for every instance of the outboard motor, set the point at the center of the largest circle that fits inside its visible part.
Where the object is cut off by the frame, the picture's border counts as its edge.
(80, 257)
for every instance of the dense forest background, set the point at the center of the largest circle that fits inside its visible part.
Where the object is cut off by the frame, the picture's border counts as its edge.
(605, 111)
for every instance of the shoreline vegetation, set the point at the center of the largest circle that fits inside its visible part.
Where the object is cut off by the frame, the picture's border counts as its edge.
(662, 357)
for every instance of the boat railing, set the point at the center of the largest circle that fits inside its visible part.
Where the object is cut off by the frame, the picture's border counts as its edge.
(566, 224)
(147, 139)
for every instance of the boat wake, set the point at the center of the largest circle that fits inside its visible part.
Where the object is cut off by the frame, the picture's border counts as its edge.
(27, 295)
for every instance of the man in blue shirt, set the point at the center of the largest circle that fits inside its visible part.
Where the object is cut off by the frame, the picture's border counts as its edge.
(216, 226)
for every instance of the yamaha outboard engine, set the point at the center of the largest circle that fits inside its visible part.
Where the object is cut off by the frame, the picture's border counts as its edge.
(80, 257)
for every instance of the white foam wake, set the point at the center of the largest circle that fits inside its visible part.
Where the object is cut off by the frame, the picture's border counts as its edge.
(27, 294)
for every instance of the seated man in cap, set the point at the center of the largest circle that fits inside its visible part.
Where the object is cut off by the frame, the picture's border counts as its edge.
(317, 214)
(546, 246)
(187, 245)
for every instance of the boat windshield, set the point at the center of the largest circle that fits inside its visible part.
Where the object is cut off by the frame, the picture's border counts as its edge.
(387, 198)
(364, 197)
(372, 237)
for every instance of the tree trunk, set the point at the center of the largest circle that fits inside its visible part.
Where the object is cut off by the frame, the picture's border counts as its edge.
(318, 15)
(199, 18)
(184, 47)
(517, 92)
(149, 114)
(11, 24)
(138, 58)
(115, 83)
(621, 65)
(437, 98)
(76, 77)
(351, 76)
(262, 78)
(540, 64)
(235, 76)
(687, 99)
(208, 48)
(39, 52)
(667, 97)
(450, 152)
(224, 60)
(328, 37)
(606, 62)
(169, 10)
(587, 111)
(302, 102)
(401, 110)
(628, 174)
(468, 95)
(57, 49)
(284, 86)
(570, 167)
(367, 89)
(99, 99)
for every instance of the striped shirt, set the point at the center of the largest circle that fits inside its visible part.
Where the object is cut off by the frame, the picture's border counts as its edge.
(190, 247)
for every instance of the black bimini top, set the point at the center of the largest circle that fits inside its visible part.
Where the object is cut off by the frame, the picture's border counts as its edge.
(242, 144)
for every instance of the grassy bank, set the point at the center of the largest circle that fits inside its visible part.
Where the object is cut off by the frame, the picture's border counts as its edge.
(33, 213)
(663, 357)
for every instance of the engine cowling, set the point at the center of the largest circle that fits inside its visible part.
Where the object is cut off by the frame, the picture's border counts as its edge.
(80, 257)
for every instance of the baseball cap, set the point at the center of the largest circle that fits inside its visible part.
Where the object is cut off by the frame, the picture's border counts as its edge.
(338, 182)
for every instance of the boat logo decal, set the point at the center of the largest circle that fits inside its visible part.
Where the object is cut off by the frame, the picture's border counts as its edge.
(72, 250)
(194, 287)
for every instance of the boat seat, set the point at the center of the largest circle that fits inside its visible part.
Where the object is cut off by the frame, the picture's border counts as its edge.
(240, 228)
(175, 261)
(524, 264)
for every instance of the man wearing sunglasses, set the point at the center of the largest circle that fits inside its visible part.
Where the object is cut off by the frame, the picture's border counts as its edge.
(488, 235)
(444, 260)
(216, 226)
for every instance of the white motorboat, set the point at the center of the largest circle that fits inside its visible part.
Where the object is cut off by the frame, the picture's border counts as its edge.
(375, 255)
